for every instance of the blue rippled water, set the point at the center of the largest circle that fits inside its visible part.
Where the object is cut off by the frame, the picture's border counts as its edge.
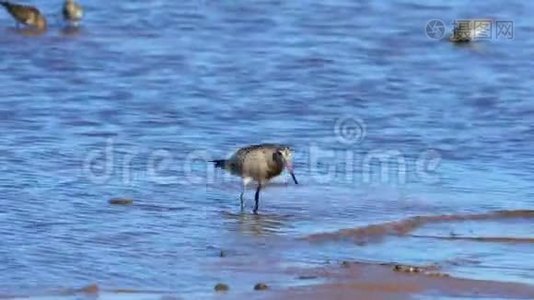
(133, 103)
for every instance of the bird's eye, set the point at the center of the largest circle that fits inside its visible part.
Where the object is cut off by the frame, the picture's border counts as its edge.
(278, 154)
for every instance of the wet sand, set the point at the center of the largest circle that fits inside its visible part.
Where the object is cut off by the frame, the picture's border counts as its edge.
(376, 232)
(343, 280)
(380, 281)
(372, 281)
(358, 280)
(349, 280)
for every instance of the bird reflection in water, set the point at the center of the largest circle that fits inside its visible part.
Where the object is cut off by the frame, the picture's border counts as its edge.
(257, 225)
(71, 30)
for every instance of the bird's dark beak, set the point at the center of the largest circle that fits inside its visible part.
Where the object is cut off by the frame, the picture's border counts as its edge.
(289, 167)
(294, 178)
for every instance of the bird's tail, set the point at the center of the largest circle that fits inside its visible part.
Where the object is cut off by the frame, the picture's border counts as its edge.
(219, 163)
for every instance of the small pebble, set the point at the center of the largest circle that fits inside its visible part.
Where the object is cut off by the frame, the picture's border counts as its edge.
(90, 289)
(260, 287)
(221, 287)
(307, 277)
(120, 201)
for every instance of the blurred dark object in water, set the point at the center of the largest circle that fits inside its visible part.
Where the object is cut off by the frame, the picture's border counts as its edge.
(72, 12)
(71, 30)
(120, 201)
(261, 286)
(26, 15)
(221, 287)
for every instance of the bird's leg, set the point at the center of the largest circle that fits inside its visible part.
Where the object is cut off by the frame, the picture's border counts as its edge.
(242, 201)
(257, 199)
(244, 187)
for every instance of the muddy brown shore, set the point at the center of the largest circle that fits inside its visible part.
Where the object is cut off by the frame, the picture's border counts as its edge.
(380, 281)
(377, 232)
(349, 280)
(354, 280)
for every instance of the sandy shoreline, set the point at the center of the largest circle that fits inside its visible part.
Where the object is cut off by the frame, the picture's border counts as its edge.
(345, 280)
(380, 281)
(349, 280)
(377, 232)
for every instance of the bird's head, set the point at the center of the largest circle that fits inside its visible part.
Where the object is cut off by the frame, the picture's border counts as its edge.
(286, 156)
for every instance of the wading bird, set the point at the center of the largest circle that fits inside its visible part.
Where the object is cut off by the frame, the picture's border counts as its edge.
(26, 15)
(72, 12)
(259, 163)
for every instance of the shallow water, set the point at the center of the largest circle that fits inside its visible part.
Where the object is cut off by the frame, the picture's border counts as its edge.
(133, 106)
